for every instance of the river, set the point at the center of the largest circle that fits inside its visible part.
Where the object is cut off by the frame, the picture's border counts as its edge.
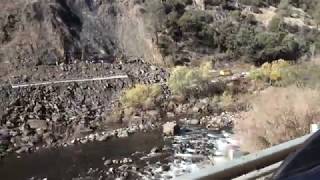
(153, 157)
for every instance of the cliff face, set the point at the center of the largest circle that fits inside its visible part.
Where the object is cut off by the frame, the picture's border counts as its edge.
(49, 31)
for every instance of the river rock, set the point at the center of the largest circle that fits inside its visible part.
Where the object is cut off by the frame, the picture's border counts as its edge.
(48, 138)
(123, 167)
(170, 114)
(56, 117)
(170, 128)
(22, 150)
(107, 162)
(111, 170)
(196, 109)
(127, 160)
(115, 161)
(155, 150)
(165, 167)
(4, 134)
(37, 108)
(35, 139)
(40, 131)
(37, 124)
(123, 133)
(153, 114)
(103, 137)
(193, 121)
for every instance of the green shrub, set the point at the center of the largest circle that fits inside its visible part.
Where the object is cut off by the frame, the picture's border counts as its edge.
(187, 80)
(276, 45)
(268, 40)
(194, 20)
(140, 96)
(292, 44)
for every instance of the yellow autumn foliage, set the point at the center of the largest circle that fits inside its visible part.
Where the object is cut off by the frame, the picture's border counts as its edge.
(270, 71)
(140, 95)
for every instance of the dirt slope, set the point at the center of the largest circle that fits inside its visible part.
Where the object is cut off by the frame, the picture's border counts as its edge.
(50, 31)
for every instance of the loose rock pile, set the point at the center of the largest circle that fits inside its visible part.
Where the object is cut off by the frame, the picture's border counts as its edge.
(225, 120)
(53, 115)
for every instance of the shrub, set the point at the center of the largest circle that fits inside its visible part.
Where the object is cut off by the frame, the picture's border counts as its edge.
(227, 100)
(194, 20)
(302, 75)
(284, 7)
(281, 73)
(316, 13)
(274, 71)
(187, 80)
(235, 14)
(253, 2)
(183, 79)
(268, 39)
(278, 115)
(276, 24)
(140, 96)
(205, 70)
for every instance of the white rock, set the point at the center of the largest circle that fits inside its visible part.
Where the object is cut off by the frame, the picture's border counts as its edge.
(170, 128)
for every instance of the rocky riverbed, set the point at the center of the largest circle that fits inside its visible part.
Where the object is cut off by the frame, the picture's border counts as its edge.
(46, 116)
(140, 156)
(54, 115)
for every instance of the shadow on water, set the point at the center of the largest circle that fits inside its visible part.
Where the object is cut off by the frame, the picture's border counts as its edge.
(69, 162)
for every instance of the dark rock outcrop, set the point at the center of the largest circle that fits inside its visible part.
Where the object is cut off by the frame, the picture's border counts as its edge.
(54, 31)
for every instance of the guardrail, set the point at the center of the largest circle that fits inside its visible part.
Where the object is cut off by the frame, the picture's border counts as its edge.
(70, 81)
(252, 162)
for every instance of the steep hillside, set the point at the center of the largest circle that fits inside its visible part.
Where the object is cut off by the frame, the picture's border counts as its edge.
(51, 31)
(167, 32)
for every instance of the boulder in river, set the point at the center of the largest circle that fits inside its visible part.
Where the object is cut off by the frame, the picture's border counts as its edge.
(170, 128)
(107, 162)
(155, 150)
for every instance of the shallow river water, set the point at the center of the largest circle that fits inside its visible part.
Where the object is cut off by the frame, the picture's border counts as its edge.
(69, 162)
(174, 156)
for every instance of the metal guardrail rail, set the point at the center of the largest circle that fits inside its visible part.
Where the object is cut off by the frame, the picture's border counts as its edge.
(261, 173)
(248, 163)
(70, 81)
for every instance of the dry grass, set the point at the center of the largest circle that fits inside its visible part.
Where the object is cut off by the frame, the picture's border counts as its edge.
(268, 13)
(266, 16)
(278, 115)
